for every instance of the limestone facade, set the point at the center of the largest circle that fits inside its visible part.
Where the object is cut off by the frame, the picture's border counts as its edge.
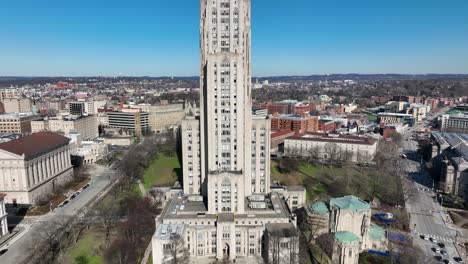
(3, 216)
(28, 172)
(227, 204)
(86, 126)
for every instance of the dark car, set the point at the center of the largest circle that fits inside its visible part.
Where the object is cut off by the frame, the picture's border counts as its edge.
(441, 245)
(86, 186)
(458, 259)
(443, 252)
(3, 251)
(438, 258)
(72, 196)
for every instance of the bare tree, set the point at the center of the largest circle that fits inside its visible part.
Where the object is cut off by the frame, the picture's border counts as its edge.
(107, 214)
(48, 241)
(158, 197)
(313, 154)
(333, 153)
(175, 252)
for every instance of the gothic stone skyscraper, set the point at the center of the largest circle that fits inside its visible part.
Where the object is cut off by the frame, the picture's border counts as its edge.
(228, 206)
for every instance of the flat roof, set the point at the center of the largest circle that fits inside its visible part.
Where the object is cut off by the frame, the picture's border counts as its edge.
(182, 208)
(168, 231)
(333, 138)
(395, 114)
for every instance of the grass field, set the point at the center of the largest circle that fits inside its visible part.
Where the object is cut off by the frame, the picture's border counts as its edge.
(88, 246)
(162, 171)
(319, 181)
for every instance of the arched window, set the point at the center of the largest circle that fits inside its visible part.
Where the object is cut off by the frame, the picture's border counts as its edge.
(225, 62)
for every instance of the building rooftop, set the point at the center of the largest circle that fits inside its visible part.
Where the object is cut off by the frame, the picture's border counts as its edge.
(334, 138)
(295, 188)
(349, 202)
(376, 233)
(35, 145)
(182, 208)
(292, 117)
(281, 133)
(282, 229)
(346, 237)
(16, 115)
(168, 231)
(395, 114)
(319, 208)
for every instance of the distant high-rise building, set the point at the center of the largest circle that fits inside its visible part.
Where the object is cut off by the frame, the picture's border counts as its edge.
(81, 108)
(133, 121)
(227, 205)
(17, 105)
(19, 123)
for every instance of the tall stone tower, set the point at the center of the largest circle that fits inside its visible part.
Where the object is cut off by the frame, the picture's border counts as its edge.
(227, 206)
(234, 147)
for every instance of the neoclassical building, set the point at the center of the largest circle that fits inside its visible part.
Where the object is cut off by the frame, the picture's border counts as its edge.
(33, 166)
(3, 216)
(227, 208)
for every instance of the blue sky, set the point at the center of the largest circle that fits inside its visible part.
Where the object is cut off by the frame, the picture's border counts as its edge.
(294, 37)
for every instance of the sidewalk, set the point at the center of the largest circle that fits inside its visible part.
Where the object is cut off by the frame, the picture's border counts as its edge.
(16, 234)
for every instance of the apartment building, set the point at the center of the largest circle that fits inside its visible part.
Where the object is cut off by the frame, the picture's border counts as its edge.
(19, 123)
(357, 149)
(16, 105)
(135, 121)
(86, 126)
(296, 123)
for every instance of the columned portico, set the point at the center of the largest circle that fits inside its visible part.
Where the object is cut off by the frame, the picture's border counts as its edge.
(29, 169)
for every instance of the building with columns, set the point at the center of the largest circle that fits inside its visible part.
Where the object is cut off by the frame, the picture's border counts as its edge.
(227, 203)
(3, 216)
(33, 166)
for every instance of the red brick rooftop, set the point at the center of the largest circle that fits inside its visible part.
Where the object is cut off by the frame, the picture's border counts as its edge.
(35, 145)
(281, 133)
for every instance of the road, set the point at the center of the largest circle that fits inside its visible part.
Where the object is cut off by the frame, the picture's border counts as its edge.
(426, 215)
(18, 248)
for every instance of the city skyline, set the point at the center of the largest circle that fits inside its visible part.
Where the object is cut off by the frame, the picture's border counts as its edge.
(307, 38)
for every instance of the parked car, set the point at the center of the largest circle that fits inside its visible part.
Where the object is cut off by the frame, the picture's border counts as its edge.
(64, 203)
(458, 259)
(3, 251)
(441, 245)
(436, 250)
(434, 240)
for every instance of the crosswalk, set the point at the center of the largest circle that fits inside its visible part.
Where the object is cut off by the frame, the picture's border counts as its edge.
(438, 238)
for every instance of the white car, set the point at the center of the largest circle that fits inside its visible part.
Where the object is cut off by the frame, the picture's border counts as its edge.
(434, 240)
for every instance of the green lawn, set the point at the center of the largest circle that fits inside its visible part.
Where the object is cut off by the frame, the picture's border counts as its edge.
(88, 246)
(320, 181)
(162, 171)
